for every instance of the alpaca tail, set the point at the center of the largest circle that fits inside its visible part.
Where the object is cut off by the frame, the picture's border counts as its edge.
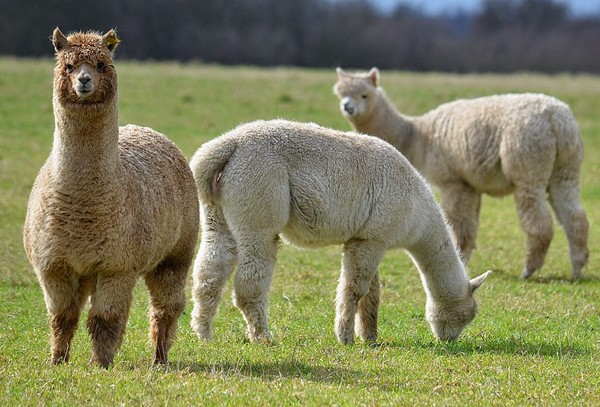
(569, 143)
(207, 165)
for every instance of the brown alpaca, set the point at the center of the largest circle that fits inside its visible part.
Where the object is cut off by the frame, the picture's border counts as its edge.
(526, 144)
(109, 205)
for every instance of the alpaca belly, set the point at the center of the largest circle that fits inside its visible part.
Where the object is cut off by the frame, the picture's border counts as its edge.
(300, 236)
(318, 226)
(493, 184)
(306, 229)
(483, 171)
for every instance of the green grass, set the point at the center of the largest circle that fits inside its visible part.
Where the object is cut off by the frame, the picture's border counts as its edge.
(533, 343)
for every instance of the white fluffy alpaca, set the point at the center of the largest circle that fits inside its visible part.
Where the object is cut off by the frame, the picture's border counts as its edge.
(526, 144)
(316, 187)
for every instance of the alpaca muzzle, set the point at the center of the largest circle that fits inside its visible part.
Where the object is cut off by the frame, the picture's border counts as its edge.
(84, 85)
(348, 107)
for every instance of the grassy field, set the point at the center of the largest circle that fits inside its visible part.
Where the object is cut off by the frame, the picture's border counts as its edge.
(534, 342)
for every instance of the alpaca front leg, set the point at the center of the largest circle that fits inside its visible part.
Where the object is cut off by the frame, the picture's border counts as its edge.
(166, 286)
(462, 204)
(108, 316)
(252, 283)
(65, 296)
(537, 224)
(368, 311)
(359, 268)
(212, 268)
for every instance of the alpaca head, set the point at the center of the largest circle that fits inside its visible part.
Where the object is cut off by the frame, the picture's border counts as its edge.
(448, 318)
(84, 75)
(356, 92)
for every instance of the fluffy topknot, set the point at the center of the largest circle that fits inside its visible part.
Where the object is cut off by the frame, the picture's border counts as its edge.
(90, 46)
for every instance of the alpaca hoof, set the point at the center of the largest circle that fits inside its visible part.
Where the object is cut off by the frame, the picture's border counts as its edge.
(203, 333)
(263, 339)
(59, 360)
(204, 337)
(104, 363)
(527, 273)
(345, 339)
(369, 338)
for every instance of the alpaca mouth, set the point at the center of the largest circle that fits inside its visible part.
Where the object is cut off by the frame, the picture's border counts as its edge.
(84, 91)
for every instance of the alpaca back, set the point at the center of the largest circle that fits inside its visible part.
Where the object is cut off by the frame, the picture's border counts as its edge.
(325, 186)
(483, 140)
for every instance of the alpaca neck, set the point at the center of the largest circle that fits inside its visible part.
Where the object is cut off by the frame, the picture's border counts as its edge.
(85, 150)
(387, 123)
(442, 271)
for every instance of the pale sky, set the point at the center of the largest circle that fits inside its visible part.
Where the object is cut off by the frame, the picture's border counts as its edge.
(578, 7)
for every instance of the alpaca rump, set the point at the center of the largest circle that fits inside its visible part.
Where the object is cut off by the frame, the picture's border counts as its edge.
(315, 186)
(527, 145)
(109, 205)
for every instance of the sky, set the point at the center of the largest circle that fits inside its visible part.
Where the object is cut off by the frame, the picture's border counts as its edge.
(577, 7)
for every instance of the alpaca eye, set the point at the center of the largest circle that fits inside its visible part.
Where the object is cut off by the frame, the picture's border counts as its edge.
(364, 96)
(100, 67)
(69, 68)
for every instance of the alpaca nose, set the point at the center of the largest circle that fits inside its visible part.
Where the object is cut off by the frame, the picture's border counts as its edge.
(348, 107)
(84, 78)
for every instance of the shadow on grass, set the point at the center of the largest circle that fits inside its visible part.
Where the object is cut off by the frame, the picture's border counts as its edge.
(273, 371)
(509, 346)
(286, 368)
(539, 277)
(268, 370)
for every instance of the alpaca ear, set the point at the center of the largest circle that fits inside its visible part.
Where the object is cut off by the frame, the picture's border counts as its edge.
(340, 73)
(111, 40)
(374, 76)
(477, 281)
(59, 40)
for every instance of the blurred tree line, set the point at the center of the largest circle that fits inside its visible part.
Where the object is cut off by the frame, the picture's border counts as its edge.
(504, 36)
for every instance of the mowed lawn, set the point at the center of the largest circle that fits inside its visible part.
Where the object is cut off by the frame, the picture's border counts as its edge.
(534, 342)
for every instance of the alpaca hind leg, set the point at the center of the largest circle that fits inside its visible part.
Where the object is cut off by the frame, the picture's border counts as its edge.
(368, 311)
(257, 257)
(65, 296)
(565, 200)
(359, 267)
(537, 224)
(213, 266)
(108, 315)
(461, 204)
(166, 286)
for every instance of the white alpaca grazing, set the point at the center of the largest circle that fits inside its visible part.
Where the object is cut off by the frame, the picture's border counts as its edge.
(316, 187)
(527, 144)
